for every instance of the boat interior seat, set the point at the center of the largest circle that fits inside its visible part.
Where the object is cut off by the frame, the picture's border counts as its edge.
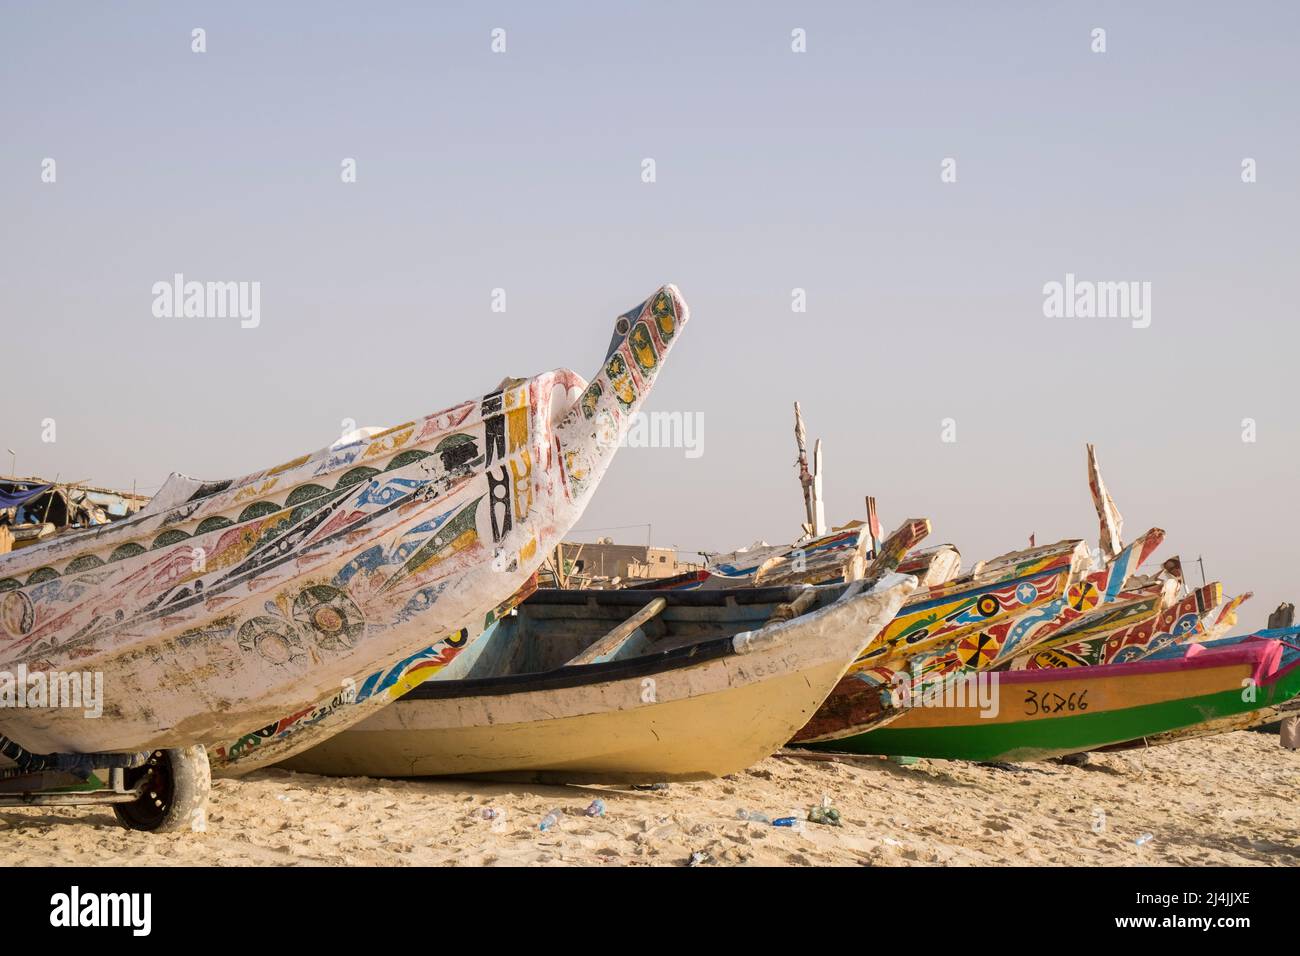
(539, 639)
(549, 631)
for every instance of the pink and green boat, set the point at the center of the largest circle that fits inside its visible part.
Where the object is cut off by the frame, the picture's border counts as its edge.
(1034, 715)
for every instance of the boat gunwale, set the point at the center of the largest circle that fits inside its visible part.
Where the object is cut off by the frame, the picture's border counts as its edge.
(642, 665)
(577, 675)
(1246, 652)
(635, 597)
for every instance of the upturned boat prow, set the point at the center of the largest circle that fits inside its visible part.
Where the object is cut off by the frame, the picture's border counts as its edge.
(256, 614)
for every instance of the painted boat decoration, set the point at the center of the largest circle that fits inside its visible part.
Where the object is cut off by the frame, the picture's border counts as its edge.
(223, 606)
(353, 702)
(694, 684)
(1134, 606)
(1002, 588)
(1219, 621)
(1098, 602)
(872, 696)
(1142, 614)
(1034, 715)
(1130, 644)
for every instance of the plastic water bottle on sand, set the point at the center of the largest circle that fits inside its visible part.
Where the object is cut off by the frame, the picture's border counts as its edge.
(549, 821)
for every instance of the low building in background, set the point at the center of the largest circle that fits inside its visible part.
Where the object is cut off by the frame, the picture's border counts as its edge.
(626, 563)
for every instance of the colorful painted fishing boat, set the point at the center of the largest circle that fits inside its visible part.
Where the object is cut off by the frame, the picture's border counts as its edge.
(694, 684)
(232, 605)
(1033, 715)
(874, 693)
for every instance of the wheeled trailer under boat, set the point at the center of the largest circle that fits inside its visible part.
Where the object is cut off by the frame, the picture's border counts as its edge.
(162, 791)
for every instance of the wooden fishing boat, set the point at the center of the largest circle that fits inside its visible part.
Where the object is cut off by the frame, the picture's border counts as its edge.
(268, 744)
(248, 603)
(873, 694)
(693, 684)
(1033, 715)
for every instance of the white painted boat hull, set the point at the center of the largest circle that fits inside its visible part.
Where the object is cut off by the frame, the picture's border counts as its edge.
(224, 608)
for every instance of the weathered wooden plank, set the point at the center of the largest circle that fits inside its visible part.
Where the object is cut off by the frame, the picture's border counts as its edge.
(617, 637)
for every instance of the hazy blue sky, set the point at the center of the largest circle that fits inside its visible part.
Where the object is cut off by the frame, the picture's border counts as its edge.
(775, 170)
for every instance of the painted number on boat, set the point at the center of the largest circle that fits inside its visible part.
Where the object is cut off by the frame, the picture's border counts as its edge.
(1050, 702)
(761, 670)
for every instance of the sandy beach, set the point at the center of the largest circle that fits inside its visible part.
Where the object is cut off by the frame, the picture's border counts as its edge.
(1228, 800)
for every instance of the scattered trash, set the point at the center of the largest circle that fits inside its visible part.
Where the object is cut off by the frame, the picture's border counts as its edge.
(489, 813)
(549, 821)
(650, 786)
(892, 842)
(827, 816)
(1143, 839)
(785, 822)
(824, 813)
(753, 816)
(699, 858)
(905, 761)
(595, 809)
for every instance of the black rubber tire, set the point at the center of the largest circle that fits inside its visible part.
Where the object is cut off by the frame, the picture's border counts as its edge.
(176, 792)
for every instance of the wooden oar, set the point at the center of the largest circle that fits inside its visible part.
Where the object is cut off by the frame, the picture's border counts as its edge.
(617, 637)
(792, 609)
